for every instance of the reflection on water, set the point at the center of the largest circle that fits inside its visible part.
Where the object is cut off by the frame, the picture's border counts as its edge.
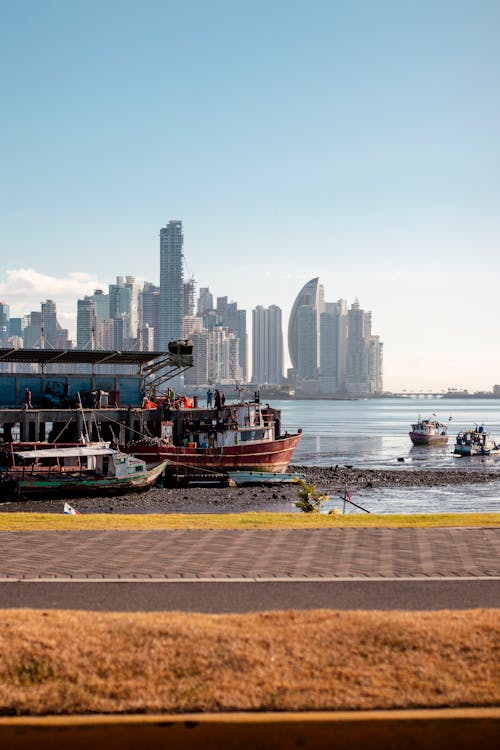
(373, 434)
(468, 498)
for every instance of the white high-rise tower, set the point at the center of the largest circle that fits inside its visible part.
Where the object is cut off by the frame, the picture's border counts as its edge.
(171, 284)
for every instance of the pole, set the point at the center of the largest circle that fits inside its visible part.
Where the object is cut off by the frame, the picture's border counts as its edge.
(348, 500)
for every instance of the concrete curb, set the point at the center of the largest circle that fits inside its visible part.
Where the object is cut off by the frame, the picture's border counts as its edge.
(427, 729)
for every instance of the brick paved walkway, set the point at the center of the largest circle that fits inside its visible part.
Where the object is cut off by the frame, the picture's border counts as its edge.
(254, 554)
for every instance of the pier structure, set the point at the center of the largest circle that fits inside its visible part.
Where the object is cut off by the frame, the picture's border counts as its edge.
(75, 392)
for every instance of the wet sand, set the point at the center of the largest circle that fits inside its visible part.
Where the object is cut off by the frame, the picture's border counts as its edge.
(331, 480)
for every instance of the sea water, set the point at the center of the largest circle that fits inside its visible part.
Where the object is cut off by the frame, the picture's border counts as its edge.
(373, 434)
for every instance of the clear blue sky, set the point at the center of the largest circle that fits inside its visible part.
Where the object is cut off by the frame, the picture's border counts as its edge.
(355, 141)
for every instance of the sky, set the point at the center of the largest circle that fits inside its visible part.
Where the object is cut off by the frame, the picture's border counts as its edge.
(357, 141)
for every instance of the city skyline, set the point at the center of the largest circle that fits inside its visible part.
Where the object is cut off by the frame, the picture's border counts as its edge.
(332, 349)
(359, 145)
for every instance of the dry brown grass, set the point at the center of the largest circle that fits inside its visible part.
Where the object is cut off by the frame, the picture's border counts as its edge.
(62, 662)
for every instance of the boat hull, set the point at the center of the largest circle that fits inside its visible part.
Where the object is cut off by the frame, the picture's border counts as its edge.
(267, 455)
(254, 478)
(418, 438)
(474, 450)
(38, 486)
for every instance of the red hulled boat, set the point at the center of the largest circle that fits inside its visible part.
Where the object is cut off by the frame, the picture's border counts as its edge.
(429, 432)
(242, 436)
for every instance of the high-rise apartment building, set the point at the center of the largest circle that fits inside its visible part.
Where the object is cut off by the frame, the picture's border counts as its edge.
(375, 364)
(49, 325)
(267, 345)
(241, 333)
(32, 330)
(198, 374)
(101, 314)
(149, 310)
(359, 329)
(189, 295)
(4, 322)
(85, 324)
(333, 340)
(205, 301)
(235, 321)
(308, 342)
(171, 284)
(124, 305)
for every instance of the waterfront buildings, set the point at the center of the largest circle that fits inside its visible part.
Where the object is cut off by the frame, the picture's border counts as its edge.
(332, 349)
(219, 341)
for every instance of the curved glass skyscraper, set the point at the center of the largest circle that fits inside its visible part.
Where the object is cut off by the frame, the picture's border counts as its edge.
(303, 330)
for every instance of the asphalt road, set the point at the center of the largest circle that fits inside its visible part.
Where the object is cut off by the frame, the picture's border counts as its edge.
(245, 595)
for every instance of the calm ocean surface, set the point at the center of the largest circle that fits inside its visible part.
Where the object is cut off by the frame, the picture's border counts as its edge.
(373, 434)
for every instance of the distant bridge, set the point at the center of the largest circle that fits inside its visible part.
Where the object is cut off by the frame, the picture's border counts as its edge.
(418, 394)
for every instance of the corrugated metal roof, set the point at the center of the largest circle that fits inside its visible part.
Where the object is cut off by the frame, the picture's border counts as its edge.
(78, 356)
(84, 450)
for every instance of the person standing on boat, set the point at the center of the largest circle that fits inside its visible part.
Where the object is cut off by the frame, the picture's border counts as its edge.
(218, 400)
(27, 399)
(209, 399)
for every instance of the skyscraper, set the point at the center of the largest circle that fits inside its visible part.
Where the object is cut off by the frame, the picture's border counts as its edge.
(189, 295)
(4, 322)
(333, 338)
(171, 284)
(303, 338)
(149, 308)
(49, 324)
(85, 324)
(359, 330)
(32, 330)
(332, 350)
(205, 300)
(267, 345)
(123, 305)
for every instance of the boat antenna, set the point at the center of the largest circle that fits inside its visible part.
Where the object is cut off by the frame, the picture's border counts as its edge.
(83, 417)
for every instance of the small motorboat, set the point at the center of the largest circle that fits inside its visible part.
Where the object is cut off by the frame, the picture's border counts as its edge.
(475, 442)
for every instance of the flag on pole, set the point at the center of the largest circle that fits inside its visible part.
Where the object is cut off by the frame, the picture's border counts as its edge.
(70, 511)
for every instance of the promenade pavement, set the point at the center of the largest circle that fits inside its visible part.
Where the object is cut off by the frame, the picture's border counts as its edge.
(292, 554)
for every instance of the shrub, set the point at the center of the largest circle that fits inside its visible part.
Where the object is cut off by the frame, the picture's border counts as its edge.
(310, 500)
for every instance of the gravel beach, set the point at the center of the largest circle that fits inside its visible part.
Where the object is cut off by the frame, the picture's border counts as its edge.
(330, 480)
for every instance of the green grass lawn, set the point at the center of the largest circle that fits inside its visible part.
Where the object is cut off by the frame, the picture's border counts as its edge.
(253, 520)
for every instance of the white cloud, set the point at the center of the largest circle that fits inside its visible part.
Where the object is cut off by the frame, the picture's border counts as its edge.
(24, 289)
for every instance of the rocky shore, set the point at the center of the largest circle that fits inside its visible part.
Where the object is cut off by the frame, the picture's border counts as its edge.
(282, 498)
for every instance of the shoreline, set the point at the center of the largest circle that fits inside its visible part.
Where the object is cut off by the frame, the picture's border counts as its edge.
(279, 498)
